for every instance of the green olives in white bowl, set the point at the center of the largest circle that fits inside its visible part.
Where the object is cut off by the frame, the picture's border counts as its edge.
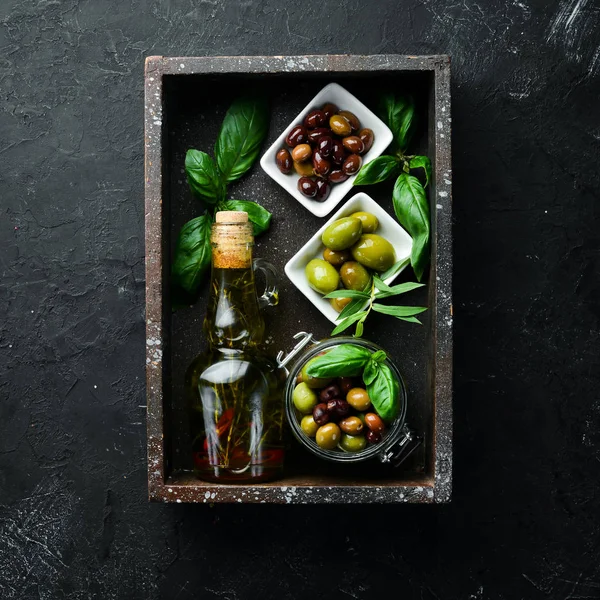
(385, 243)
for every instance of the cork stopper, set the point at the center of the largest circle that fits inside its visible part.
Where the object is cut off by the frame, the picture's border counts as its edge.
(232, 240)
(231, 216)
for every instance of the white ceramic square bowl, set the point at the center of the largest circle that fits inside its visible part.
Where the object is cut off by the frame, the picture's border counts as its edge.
(389, 228)
(345, 101)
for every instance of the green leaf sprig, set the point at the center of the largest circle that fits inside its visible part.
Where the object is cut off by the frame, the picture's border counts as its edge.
(348, 360)
(354, 312)
(242, 133)
(409, 198)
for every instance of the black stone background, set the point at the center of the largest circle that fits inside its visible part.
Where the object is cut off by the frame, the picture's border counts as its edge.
(75, 522)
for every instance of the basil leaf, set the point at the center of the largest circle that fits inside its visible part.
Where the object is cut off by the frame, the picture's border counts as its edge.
(259, 217)
(395, 268)
(379, 356)
(424, 163)
(192, 253)
(412, 209)
(244, 128)
(345, 360)
(203, 177)
(401, 288)
(384, 392)
(399, 311)
(398, 114)
(370, 373)
(347, 294)
(377, 170)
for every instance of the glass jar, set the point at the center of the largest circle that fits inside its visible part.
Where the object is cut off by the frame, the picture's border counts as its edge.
(399, 442)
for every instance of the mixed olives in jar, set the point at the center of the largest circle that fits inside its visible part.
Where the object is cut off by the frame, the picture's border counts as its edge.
(338, 413)
(326, 148)
(353, 252)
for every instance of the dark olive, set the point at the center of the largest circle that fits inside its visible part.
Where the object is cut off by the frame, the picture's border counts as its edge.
(337, 176)
(368, 137)
(338, 409)
(314, 135)
(329, 109)
(346, 384)
(329, 393)
(373, 437)
(325, 145)
(307, 186)
(337, 152)
(284, 160)
(353, 144)
(340, 126)
(321, 165)
(298, 135)
(351, 118)
(315, 118)
(352, 164)
(374, 422)
(323, 189)
(301, 152)
(320, 414)
(337, 258)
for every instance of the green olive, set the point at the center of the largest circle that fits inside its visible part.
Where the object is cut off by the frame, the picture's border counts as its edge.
(358, 398)
(353, 443)
(308, 426)
(369, 221)
(304, 398)
(352, 425)
(328, 436)
(342, 234)
(374, 252)
(336, 257)
(340, 303)
(340, 125)
(354, 276)
(313, 382)
(322, 277)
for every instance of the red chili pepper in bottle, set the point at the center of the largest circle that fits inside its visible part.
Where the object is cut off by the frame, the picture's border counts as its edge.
(223, 425)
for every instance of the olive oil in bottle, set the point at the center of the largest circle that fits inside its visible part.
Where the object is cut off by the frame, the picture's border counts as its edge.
(235, 390)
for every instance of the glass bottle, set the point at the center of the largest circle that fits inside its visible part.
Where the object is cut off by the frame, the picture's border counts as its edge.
(235, 390)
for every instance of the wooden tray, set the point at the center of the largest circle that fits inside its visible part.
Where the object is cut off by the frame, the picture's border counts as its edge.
(186, 99)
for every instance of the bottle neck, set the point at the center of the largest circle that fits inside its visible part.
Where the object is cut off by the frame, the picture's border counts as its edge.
(233, 319)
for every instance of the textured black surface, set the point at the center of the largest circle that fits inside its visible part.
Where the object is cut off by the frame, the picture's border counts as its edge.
(524, 519)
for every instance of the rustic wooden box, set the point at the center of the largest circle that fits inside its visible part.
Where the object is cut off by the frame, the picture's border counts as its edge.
(186, 99)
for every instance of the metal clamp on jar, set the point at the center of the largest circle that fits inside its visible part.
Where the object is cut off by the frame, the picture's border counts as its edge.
(399, 441)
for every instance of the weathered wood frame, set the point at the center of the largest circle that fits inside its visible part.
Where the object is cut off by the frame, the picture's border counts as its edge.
(436, 487)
